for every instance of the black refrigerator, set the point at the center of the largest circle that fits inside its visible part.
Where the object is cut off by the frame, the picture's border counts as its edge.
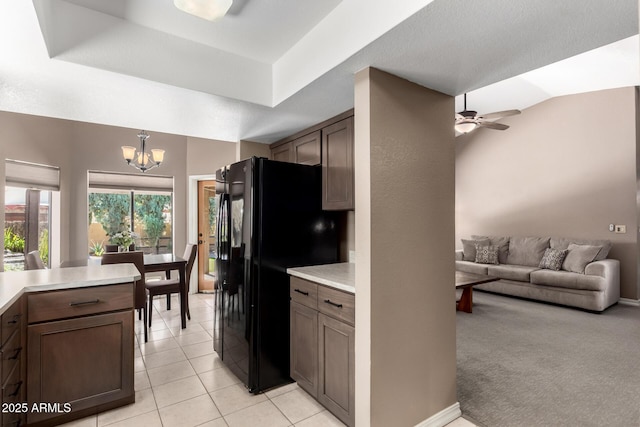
(269, 218)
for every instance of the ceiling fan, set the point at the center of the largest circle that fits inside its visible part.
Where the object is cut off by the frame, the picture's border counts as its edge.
(468, 120)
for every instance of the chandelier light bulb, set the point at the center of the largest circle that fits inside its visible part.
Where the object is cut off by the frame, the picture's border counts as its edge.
(144, 160)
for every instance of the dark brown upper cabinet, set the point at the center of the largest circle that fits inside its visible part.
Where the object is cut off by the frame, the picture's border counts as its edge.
(338, 166)
(282, 153)
(329, 144)
(307, 150)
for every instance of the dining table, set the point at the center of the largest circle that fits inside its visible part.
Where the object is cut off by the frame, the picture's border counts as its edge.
(155, 263)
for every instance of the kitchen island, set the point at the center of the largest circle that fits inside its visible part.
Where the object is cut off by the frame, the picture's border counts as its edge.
(322, 335)
(67, 342)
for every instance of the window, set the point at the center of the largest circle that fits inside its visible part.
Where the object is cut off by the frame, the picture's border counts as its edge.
(28, 193)
(142, 204)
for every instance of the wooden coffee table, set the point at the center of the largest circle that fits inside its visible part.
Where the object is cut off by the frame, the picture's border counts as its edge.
(466, 281)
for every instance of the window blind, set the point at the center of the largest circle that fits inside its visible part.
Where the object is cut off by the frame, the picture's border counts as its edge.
(32, 175)
(128, 182)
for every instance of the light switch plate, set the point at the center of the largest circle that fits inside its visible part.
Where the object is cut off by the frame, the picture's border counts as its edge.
(621, 229)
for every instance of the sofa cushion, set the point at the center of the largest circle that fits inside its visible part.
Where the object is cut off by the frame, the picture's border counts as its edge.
(469, 248)
(553, 259)
(471, 267)
(527, 250)
(564, 242)
(568, 280)
(501, 242)
(578, 256)
(511, 272)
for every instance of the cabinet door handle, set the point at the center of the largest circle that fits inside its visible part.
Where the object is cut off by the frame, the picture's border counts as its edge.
(14, 319)
(75, 303)
(306, 294)
(17, 390)
(15, 354)
(328, 301)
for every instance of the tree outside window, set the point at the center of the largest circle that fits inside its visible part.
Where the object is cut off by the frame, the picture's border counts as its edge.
(149, 217)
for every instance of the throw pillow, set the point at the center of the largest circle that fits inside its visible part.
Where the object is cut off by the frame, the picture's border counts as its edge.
(487, 254)
(578, 256)
(553, 258)
(469, 248)
(564, 242)
(501, 242)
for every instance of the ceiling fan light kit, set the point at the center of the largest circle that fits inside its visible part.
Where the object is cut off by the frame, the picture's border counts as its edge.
(465, 127)
(205, 9)
(468, 120)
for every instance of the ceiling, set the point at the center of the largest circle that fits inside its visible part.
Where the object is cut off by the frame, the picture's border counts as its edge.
(271, 68)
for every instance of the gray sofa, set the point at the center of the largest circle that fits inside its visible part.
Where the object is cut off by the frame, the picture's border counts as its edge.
(583, 278)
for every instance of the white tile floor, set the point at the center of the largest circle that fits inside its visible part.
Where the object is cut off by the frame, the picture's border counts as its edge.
(180, 381)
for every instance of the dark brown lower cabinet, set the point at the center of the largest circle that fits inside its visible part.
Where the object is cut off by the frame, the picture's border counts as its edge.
(323, 345)
(304, 347)
(336, 377)
(83, 363)
(13, 367)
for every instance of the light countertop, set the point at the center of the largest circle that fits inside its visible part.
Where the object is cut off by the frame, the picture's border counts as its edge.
(14, 283)
(340, 276)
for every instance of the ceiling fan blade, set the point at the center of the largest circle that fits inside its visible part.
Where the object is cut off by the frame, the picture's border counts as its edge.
(459, 117)
(500, 114)
(493, 125)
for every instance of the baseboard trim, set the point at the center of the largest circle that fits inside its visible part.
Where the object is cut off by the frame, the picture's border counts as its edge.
(628, 301)
(443, 417)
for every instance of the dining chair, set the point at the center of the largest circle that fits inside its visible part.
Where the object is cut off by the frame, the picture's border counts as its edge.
(170, 286)
(33, 261)
(140, 299)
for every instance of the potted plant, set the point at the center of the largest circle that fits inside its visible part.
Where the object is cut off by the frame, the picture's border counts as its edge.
(123, 239)
(96, 249)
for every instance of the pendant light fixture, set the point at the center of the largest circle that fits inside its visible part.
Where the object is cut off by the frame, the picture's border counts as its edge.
(205, 9)
(144, 160)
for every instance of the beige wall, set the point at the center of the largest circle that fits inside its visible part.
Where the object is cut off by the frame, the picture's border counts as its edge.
(566, 167)
(77, 147)
(248, 149)
(39, 140)
(206, 156)
(404, 218)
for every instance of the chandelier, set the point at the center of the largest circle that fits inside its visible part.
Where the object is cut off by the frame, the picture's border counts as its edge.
(144, 160)
(205, 9)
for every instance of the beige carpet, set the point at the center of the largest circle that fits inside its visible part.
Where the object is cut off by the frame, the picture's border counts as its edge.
(523, 363)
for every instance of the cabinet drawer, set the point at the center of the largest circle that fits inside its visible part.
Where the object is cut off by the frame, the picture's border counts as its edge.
(10, 353)
(304, 292)
(337, 304)
(78, 302)
(11, 320)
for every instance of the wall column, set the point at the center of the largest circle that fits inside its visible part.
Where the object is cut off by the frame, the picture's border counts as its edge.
(405, 311)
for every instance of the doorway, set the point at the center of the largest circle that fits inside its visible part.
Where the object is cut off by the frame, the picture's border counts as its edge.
(206, 235)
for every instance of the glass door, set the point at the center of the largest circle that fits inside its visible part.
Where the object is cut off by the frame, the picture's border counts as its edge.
(207, 211)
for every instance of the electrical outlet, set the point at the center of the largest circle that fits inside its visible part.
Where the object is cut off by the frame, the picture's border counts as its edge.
(612, 227)
(621, 229)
